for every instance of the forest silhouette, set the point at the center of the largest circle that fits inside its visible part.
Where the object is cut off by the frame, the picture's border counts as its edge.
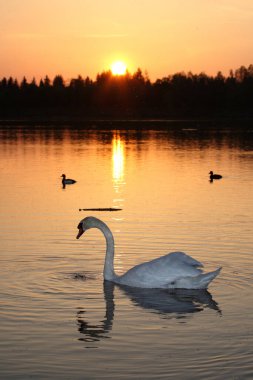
(131, 95)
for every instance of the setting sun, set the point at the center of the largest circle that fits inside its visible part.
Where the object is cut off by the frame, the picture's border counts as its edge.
(118, 68)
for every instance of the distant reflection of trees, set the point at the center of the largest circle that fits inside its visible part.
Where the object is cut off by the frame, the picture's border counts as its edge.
(179, 95)
(178, 304)
(137, 135)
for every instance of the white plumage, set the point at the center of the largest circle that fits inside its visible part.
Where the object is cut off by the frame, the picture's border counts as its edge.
(174, 270)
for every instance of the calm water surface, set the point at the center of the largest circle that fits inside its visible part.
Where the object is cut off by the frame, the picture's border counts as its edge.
(58, 319)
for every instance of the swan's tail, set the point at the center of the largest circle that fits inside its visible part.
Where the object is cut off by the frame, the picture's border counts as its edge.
(203, 280)
(200, 281)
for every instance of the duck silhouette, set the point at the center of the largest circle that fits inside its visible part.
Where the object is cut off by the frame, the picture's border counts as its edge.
(214, 176)
(67, 181)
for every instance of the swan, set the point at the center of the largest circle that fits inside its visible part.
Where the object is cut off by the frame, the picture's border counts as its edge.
(214, 176)
(175, 270)
(67, 181)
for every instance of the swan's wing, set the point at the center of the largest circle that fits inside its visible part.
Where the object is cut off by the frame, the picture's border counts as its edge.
(174, 259)
(183, 258)
(161, 271)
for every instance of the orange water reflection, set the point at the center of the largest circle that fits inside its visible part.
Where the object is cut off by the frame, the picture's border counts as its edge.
(118, 161)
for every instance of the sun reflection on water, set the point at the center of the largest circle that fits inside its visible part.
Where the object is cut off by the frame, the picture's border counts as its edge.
(118, 161)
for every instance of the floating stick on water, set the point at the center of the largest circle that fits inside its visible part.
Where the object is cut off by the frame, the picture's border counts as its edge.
(100, 209)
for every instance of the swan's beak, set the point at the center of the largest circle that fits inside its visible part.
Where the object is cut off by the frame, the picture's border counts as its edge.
(81, 231)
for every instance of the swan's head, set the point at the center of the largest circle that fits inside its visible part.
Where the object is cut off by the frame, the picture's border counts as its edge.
(63, 175)
(86, 224)
(211, 173)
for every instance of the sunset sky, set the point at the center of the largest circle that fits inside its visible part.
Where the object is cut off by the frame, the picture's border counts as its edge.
(162, 37)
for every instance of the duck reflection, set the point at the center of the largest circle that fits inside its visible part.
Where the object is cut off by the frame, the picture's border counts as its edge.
(178, 304)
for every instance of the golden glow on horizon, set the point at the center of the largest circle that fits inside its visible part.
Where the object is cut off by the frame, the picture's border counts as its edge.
(118, 159)
(119, 68)
(88, 36)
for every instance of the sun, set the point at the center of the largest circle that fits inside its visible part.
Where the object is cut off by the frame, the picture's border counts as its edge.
(118, 68)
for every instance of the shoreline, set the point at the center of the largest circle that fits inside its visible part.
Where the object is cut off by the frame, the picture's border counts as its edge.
(125, 123)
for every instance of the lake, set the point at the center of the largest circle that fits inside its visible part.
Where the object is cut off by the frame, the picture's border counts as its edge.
(58, 317)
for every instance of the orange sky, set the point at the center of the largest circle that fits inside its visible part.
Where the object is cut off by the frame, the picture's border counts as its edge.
(72, 37)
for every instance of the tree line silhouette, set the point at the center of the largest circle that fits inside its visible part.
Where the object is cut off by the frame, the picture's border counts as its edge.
(131, 95)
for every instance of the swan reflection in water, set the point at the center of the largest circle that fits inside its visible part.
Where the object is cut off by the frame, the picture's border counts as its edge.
(179, 303)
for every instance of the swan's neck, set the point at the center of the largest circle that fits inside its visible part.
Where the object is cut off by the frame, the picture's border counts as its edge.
(109, 273)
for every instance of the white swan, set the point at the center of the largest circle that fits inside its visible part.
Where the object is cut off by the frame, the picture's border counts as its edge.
(174, 270)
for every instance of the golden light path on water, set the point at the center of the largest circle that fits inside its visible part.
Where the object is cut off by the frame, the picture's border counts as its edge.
(118, 160)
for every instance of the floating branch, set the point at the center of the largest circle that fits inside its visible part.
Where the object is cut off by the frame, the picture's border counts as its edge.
(100, 209)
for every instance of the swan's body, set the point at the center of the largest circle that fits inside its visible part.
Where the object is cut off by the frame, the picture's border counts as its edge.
(67, 181)
(214, 176)
(174, 270)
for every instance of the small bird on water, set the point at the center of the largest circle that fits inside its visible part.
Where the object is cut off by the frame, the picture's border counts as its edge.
(67, 181)
(214, 176)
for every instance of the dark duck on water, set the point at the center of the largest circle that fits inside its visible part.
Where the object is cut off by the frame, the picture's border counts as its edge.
(214, 176)
(67, 181)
